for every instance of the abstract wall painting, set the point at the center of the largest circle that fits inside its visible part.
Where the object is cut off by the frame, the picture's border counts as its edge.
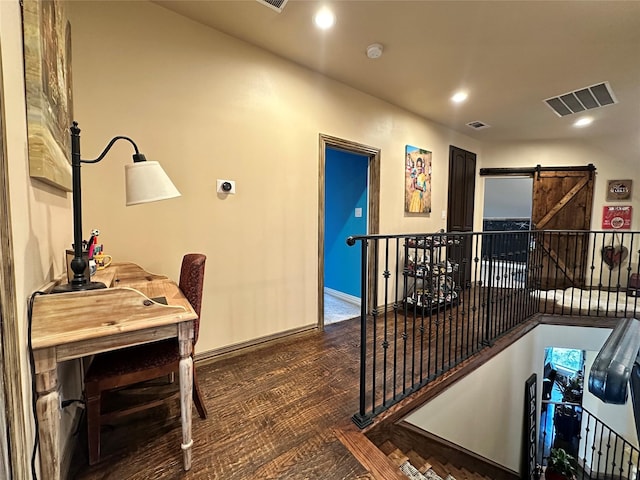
(417, 185)
(47, 55)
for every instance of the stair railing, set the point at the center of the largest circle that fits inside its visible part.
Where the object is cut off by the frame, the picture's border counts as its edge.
(432, 300)
(600, 451)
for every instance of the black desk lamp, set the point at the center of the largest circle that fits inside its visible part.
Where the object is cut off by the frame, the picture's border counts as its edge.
(145, 182)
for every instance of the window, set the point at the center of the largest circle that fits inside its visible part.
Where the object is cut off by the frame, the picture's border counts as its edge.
(567, 358)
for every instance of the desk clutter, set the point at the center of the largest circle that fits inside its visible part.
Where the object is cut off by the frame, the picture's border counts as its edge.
(93, 252)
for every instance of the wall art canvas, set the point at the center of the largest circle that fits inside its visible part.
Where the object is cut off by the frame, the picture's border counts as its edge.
(619, 190)
(417, 184)
(47, 59)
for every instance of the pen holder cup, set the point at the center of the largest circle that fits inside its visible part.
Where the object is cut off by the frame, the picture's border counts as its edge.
(87, 271)
(102, 261)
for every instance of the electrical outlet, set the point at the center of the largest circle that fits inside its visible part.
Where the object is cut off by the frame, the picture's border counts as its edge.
(225, 186)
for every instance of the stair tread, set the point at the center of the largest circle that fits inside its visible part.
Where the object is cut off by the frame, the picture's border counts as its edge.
(418, 461)
(387, 447)
(440, 466)
(397, 457)
(436, 466)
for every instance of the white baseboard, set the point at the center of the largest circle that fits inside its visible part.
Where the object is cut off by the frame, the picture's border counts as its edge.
(342, 296)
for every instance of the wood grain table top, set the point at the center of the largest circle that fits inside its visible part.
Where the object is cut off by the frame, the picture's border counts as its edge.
(125, 306)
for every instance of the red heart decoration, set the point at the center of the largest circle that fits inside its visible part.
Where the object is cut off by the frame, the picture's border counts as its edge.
(614, 256)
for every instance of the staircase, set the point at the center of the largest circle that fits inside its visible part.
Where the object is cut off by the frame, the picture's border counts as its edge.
(415, 467)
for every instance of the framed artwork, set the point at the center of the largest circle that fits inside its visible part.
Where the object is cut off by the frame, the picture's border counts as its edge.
(616, 217)
(417, 180)
(619, 190)
(47, 60)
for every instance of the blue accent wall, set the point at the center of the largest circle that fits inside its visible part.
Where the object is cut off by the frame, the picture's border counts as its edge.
(345, 190)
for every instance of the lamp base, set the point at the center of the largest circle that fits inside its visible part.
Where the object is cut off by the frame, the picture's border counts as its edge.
(68, 287)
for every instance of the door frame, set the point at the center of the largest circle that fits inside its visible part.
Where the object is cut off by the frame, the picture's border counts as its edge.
(10, 381)
(373, 207)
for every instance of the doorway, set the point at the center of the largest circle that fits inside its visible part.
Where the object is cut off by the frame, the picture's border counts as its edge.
(562, 392)
(346, 196)
(507, 208)
(348, 206)
(562, 199)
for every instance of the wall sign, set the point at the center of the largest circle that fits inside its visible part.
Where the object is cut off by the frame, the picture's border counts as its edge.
(530, 437)
(616, 217)
(619, 190)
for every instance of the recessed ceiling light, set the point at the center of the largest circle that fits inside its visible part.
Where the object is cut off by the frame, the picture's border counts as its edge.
(324, 19)
(583, 122)
(459, 97)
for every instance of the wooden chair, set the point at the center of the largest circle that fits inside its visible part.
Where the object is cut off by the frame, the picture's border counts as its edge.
(120, 368)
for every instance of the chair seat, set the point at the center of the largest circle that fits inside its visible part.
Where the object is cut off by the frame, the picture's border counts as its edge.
(133, 359)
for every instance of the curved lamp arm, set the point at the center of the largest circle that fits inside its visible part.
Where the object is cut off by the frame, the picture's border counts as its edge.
(151, 185)
(137, 157)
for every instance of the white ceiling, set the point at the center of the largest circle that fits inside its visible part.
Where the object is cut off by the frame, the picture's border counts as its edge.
(509, 56)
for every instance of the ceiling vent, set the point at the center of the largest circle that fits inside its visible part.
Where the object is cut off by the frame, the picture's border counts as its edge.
(277, 5)
(587, 98)
(477, 125)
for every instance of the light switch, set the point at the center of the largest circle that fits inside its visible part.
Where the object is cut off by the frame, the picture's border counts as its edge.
(358, 212)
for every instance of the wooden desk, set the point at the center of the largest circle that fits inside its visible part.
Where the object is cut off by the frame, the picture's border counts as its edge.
(73, 325)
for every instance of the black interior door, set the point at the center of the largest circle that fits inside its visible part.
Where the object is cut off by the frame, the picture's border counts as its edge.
(462, 187)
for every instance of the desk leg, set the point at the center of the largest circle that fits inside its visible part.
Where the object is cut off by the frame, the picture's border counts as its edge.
(185, 339)
(48, 413)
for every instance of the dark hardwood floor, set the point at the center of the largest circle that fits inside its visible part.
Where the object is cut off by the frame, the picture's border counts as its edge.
(272, 415)
(280, 411)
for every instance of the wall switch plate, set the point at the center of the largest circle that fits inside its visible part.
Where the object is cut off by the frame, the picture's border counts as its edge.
(358, 212)
(229, 184)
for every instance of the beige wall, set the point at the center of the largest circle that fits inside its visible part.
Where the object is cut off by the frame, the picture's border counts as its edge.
(208, 106)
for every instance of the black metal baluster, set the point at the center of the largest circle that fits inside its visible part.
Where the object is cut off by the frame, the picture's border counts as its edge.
(361, 419)
(374, 326)
(489, 277)
(421, 330)
(600, 447)
(477, 297)
(405, 302)
(591, 267)
(395, 321)
(628, 279)
(416, 309)
(586, 441)
(385, 342)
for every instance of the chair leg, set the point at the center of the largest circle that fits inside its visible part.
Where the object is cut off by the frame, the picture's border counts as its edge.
(93, 423)
(198, 399)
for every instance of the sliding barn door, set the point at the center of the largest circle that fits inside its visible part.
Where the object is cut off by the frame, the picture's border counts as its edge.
(562, 200)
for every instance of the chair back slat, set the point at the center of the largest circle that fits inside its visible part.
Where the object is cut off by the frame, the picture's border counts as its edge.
(192, 282)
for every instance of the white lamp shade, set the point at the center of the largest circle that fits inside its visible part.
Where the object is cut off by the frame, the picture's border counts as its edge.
(147, 182)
